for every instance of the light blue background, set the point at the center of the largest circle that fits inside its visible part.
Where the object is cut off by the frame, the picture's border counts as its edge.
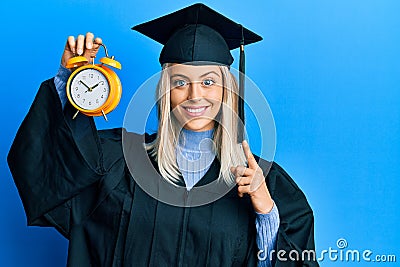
(329, 69)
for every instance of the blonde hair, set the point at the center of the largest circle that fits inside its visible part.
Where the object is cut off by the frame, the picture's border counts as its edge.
(228, 151)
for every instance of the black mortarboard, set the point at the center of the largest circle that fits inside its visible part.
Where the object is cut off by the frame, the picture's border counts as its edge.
(199, 33)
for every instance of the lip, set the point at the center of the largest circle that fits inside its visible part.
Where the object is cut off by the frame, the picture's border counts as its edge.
(195, 111)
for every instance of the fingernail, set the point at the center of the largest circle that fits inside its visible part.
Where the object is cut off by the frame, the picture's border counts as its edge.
(80, 51)
(89, 46)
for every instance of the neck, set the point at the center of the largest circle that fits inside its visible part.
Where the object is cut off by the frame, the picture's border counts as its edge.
(196, 140)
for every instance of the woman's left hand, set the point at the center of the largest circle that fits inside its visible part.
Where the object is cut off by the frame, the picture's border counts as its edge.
(251, 181)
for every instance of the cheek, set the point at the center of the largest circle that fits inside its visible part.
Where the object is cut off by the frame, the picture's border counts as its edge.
(216, 96)
(176, 98)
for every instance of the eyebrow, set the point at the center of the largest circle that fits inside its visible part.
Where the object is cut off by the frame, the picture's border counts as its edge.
(201, 76)
(179, 75)
(210, 72)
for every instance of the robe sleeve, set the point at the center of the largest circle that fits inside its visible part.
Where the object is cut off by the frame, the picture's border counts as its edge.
(53, 159)
(60, 82)
(295, 241)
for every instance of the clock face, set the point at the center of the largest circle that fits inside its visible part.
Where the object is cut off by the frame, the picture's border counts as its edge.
(89, 89)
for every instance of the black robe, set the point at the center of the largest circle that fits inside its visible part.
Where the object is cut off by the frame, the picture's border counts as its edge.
(73, 177)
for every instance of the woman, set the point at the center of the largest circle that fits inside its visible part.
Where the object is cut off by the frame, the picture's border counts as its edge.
(119, 208)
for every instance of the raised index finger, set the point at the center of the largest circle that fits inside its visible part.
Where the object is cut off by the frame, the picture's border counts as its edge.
(250, 158)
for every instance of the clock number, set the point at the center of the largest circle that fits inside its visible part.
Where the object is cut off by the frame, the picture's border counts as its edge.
(91, 75)
(90, 103)
(78, 95)
(104, 90)
(84, 77)
(79, 82)
(102, 96)
(97, 100)
(84, 100)
(76, 88)
(101, 83)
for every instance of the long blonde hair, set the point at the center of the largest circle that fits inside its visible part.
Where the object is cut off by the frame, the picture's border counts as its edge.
(228, 151)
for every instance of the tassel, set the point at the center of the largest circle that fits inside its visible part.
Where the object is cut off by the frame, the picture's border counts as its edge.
(240, 136)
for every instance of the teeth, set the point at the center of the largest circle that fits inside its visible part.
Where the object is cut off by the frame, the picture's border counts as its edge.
(195, 110)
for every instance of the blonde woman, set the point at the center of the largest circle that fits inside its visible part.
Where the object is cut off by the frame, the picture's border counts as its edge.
(189, 195)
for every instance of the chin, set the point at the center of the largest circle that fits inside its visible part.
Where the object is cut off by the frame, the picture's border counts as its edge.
(199, 125)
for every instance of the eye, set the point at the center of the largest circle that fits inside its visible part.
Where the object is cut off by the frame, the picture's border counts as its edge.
(179, 83)
(208, 82)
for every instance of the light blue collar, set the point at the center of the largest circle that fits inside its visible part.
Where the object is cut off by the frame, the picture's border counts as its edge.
(191, 140)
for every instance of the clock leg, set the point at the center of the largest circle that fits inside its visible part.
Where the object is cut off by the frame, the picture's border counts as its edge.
(104, 115)
(76, 114)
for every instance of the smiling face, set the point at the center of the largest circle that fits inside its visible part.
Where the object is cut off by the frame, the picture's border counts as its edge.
(196, 95)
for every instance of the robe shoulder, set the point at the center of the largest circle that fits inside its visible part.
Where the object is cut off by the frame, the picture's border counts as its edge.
(284, 187)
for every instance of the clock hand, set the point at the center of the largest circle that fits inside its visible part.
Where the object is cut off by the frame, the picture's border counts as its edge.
(88, 88)
(101, 82)
(95, 85)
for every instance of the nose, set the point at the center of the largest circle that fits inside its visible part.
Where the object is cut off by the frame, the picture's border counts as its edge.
(195, 91)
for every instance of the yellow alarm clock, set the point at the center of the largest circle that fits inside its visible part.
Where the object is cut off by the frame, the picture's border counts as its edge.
(93, 89)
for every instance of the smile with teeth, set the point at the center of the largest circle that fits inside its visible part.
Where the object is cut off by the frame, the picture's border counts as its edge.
(195, 111)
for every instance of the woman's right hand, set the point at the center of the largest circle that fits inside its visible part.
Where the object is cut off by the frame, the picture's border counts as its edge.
(83, 45)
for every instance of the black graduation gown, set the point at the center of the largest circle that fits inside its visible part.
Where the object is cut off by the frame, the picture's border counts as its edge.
(74, 178)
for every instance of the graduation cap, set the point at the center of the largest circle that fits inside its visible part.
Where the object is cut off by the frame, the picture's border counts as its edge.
(199, 33)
